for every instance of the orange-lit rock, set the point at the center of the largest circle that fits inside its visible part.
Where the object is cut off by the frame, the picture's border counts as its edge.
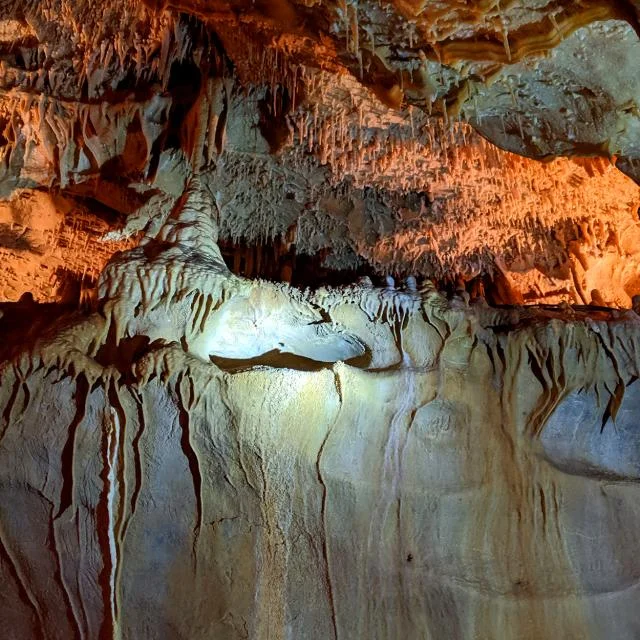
(50, 247)
(443, 446)
(270, 104)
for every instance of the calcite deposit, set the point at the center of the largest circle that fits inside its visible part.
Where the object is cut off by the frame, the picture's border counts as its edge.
(204, 456)
(351, 131)
(319, 320)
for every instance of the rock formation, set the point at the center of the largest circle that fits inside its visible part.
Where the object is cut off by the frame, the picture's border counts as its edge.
(319, 320)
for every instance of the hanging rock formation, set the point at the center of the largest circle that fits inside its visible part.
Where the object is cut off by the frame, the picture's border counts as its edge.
(319, 320)
(341, 129)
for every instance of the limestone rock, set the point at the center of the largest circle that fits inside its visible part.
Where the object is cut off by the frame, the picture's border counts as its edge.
(341, 130)
(206, 432)
(483, 486)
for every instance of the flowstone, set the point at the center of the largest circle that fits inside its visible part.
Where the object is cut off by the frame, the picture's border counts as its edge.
(204, 456)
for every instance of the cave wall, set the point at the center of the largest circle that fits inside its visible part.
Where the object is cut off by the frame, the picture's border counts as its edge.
(200, 455)
(107, 108)
(189, 453)
(485, 488)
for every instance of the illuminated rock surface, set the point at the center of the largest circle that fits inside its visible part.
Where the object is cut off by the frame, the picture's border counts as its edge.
(482, 483)
(192, 447)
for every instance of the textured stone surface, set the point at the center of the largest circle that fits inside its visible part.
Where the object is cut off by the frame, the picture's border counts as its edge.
(189, 453)
(281, 503)
(485, 486)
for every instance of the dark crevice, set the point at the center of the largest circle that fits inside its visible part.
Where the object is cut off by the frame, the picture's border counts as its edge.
(124, 353)
(185, 82)
(537, 370)
(59, 578)
(278, 261)
(194, 465)
(278, 360)
(8, 410)
(137, 458)
(273, 110)
(68, 451)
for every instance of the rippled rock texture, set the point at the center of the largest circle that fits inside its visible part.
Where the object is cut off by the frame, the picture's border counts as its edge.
(450, 471)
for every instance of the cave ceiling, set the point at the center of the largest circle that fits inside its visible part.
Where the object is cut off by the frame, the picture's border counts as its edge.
(447, 140)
